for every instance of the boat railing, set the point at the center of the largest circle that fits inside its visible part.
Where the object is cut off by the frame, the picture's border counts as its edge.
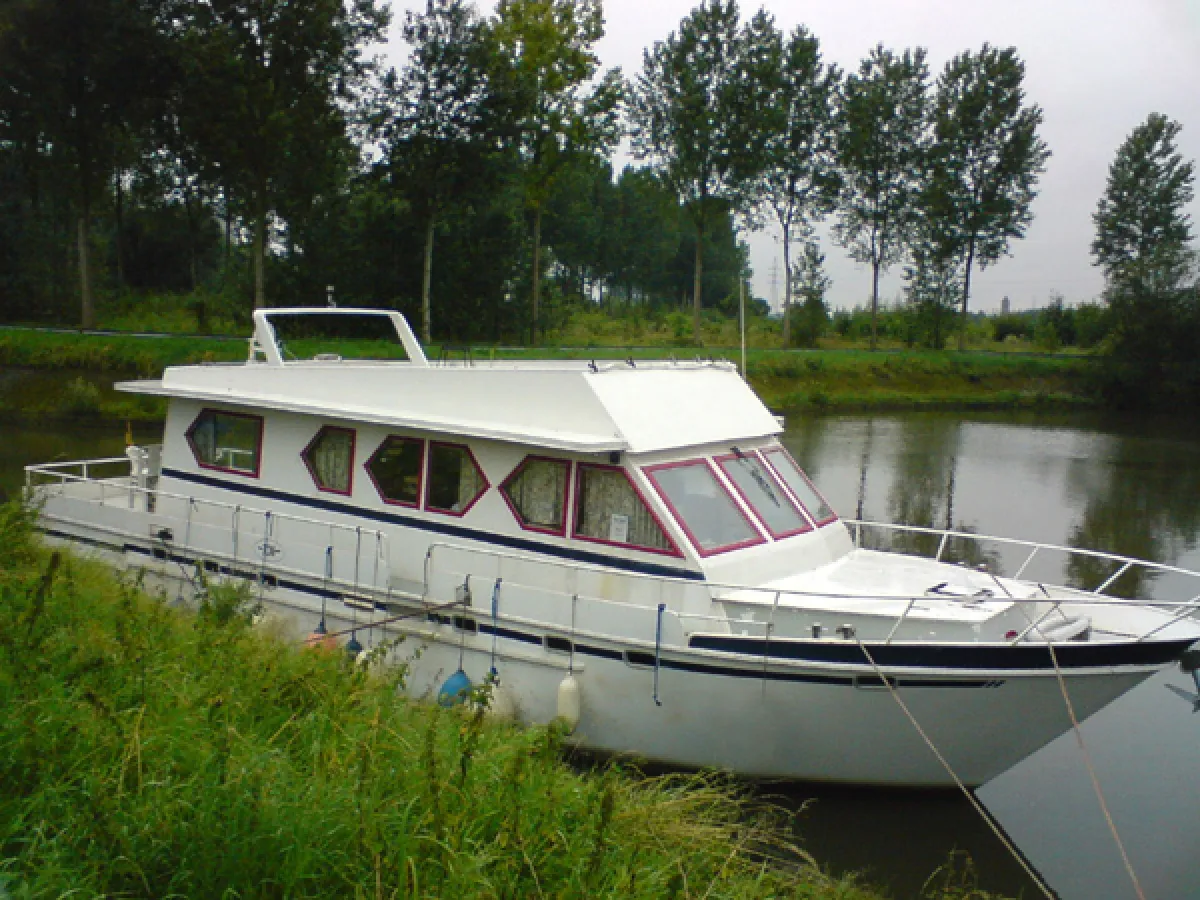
(355, 559)
(1122, 565)
(769, 600)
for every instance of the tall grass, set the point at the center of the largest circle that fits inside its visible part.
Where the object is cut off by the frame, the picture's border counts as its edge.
(150, 752)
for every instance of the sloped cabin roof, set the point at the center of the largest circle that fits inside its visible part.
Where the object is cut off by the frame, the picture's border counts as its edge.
(576, 406)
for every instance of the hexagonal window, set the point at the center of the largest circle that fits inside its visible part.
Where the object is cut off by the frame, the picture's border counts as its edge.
(229, 442)
(330, 459)
(455, 480)
(536, 492)
(396, 470)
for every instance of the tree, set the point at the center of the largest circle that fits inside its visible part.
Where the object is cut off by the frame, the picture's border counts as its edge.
(76, 76)
(1142, 243)
(810, 286)
(265, 96)
(881, 139)
(1142, 229)
(932, 286)
(546, 91)
(696, 112)
(985, 160)
(436, 136)
(800, 183)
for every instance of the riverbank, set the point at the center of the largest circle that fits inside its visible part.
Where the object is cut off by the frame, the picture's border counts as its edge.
(160, 752)
(792, 381)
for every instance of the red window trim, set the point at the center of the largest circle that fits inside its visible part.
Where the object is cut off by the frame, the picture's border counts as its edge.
(579, 467)
(805, 519)
(427, 467)
(701, 460)
(420, 470)
(766, 455)
(240, 415)
(312, 472)
(541, 529)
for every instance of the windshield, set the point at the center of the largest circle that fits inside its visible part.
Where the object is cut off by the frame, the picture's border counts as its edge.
(711, 518)
(783, 464)
(763, 494)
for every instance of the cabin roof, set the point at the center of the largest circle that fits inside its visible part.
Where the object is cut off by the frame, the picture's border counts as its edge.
(564, 405)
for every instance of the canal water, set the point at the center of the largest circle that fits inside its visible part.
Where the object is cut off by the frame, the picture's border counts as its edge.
(1128, 486)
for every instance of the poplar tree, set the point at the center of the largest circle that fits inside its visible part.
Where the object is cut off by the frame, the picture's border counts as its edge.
(800, 183)
(1142, 242)
(697, 114)
(881, 140)
(436, 135)
(985, 160)
(265, 96)
(549, 94)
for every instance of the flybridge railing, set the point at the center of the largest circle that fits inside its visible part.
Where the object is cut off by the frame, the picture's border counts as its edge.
(349, 558)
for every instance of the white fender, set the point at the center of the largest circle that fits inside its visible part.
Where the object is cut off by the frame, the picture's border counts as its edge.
(569, 702)
(502, 706)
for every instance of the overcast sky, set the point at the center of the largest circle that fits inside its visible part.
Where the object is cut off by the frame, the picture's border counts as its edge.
(1096, 67)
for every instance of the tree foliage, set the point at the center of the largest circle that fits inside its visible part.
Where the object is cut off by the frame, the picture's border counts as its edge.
(435, 124)
(800, 182)
(553, 107)
(881, 140)
(696, 114)
(1143, 236)
(985, 160)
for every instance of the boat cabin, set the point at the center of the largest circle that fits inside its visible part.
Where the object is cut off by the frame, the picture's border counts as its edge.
(667, 468)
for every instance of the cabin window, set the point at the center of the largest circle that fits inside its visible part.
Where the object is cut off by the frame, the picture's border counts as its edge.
(395, 468)
(610, 510)
(231, 442)
(455, 480)
(330, 459)
(536, 492)
(710, 516)
(802, 489)
(763, 493)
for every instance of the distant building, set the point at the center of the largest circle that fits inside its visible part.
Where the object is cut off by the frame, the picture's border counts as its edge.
(1005, 306)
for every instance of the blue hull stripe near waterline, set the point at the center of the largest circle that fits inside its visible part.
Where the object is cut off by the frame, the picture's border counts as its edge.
(512, 542)
(1071, 655)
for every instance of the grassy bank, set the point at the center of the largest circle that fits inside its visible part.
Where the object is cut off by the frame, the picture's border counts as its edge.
(151, 752)
(787, 381)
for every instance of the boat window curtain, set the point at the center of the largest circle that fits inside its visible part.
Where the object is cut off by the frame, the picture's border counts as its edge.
(609, 509)
(538, 492)
(331, 458)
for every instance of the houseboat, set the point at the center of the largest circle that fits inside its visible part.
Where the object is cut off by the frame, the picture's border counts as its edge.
(626, 546)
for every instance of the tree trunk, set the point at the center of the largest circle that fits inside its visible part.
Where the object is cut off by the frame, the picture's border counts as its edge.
(962, 334)
(537, 271)
(426, 278)
(119, 215)
(260, 242)
(787, 286)
(193, 270)
(228, 237)
(874, 304)
(83, 228)
(699, 275)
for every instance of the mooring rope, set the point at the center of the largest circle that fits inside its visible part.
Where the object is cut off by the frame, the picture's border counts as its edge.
(1087, 761)
(983, 813)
